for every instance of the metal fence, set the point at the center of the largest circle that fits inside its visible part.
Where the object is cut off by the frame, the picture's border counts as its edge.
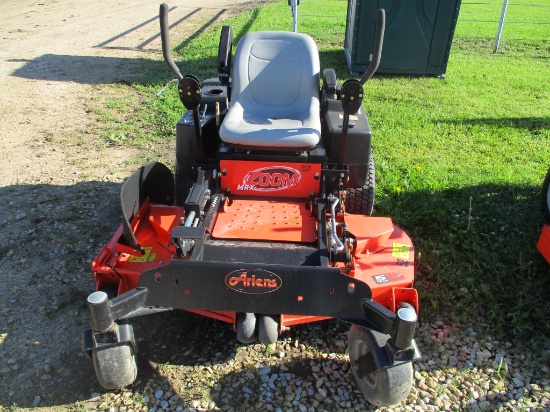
(494, 21)
(504, 20)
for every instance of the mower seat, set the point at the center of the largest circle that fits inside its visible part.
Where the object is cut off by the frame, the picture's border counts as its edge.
(274, 93)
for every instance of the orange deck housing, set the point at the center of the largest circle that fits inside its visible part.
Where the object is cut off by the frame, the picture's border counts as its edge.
(544, 242)
(383, 255)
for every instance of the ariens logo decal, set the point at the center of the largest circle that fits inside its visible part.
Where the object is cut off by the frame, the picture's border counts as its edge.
(253, 281)
(270, 179)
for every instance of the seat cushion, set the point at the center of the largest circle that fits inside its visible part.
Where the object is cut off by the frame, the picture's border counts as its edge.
(275, 93)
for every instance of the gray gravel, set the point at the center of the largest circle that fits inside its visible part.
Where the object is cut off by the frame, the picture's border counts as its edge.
(308, 370)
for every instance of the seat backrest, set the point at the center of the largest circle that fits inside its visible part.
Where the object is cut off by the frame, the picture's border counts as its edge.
(275, 73)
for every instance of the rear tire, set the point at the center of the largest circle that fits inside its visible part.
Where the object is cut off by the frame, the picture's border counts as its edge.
(115, 366)
(360, 200)
(385, 386)
(246, 327)
(268, 329)
(546, 198)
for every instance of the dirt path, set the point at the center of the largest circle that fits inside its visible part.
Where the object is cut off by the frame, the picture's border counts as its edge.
(53, 53)
(59, 191)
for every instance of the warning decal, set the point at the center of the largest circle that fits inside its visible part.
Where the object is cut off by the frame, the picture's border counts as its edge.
(388, 277)
(400, 250)
(381, 279)
(147, 257)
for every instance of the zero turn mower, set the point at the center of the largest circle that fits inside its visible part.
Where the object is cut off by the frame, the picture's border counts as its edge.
(266, 221)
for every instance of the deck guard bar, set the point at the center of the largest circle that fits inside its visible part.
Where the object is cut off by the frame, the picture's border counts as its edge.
(255, 288)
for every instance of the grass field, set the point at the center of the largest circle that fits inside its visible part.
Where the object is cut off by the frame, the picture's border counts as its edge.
(459, 161)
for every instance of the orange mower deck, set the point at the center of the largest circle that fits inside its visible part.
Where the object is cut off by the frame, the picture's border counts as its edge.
(383, 253)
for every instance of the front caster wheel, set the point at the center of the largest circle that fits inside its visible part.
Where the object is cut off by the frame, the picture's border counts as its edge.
(115, 366)
(385, 386)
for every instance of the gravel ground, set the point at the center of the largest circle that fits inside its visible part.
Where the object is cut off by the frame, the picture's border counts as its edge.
(61, 206)
(194, 364)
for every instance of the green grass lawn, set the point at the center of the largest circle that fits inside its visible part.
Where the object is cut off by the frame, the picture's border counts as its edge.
(459, 161)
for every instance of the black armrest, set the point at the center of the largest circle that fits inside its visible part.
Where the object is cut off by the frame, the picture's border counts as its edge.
(224, 54)
(329, 81)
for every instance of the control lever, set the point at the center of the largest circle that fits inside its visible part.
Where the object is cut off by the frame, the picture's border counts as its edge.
(189, 87)
(351, 98)
(352, 90)
(378, 45)
(165, 40)
(189, 90)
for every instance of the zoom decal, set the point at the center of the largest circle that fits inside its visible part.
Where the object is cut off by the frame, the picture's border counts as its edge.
(270, 179)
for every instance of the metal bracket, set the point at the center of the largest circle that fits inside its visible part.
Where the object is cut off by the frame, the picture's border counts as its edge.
(384, 357)
(335, 177)
(117, 334)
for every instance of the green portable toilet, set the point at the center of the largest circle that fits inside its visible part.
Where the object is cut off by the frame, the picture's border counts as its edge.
(417, 40)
